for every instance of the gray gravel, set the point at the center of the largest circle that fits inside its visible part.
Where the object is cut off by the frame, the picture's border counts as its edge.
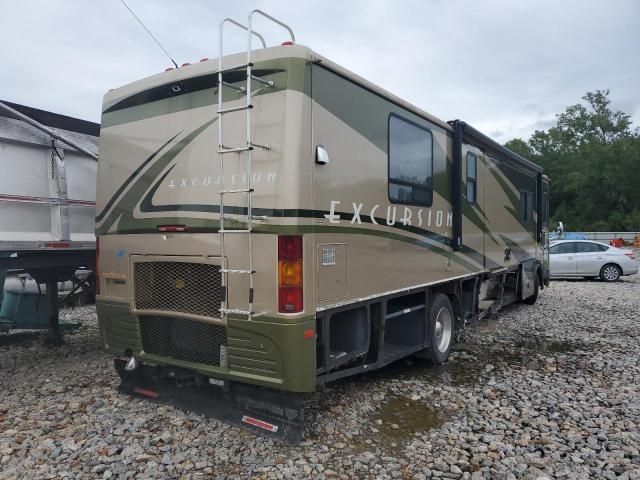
(544, 391)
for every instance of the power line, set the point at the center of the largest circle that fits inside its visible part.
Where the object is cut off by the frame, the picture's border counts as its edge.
(150, 34)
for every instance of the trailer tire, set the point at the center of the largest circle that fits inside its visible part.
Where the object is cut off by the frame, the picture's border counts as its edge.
(530, 300)
(440, 329)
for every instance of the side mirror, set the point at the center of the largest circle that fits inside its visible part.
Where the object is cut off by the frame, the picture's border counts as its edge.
(322, 156)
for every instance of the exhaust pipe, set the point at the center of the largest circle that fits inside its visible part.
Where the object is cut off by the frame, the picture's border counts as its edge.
(132, 364)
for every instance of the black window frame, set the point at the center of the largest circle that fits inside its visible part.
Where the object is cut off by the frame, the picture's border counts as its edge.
(473, 180)
(389, 183)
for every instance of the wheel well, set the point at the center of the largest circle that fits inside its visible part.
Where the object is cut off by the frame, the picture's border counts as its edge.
(611, 263)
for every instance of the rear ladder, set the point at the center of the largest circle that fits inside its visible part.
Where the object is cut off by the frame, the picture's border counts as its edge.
(243, 150)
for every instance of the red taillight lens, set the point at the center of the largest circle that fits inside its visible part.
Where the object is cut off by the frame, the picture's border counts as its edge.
(290, 299)
(96, 272)
(631, 255)
(290, 292)
(172, 228)
(289, 247)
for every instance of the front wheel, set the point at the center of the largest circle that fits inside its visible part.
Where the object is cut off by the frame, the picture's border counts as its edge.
(610, 273)
(440, 328)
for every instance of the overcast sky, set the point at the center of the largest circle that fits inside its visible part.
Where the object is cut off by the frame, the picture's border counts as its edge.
(506, 67)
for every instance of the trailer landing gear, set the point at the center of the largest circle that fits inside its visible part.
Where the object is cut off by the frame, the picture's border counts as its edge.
(263, 411)
(53, 333)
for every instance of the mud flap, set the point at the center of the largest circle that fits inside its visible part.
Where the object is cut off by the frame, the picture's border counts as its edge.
(263, 411)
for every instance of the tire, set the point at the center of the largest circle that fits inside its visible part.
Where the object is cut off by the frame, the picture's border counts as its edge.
(610, 272)
(536, 289)
(441, 329)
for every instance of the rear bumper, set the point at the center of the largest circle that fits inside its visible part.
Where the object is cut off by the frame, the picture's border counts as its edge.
(264, 411)
(263, 351)
(630, 269)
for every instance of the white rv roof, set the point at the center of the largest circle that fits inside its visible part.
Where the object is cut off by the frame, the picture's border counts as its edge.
(281, 51)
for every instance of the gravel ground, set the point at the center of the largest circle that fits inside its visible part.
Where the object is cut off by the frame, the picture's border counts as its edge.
(544, 391)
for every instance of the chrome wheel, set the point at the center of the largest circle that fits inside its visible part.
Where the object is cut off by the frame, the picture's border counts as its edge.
(443, 329)
(610, 273)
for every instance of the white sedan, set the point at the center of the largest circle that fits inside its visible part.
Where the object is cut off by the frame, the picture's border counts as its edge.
(585, 258)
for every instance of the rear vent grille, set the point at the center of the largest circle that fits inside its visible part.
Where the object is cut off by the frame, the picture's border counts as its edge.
(180, 339)
(181, 287)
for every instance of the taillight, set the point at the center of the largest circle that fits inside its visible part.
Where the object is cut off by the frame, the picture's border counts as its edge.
(96, 271)
(172, 228)
(631, 255)
(290, 274)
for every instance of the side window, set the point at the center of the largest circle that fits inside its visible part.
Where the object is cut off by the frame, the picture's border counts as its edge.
(569, 247)
(472, 178)
(526, 205)
(585, 247)
(410, 163)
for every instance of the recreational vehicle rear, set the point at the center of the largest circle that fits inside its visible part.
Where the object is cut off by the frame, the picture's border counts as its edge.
(271, 219)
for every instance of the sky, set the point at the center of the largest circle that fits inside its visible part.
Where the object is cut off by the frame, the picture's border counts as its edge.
(506, 67)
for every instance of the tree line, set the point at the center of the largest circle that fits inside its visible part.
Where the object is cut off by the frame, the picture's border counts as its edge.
(592, 157)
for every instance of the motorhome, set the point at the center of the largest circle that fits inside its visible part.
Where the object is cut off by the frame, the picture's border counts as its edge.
(271, 219)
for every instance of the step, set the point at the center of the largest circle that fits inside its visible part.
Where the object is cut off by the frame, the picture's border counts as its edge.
(237, 190)
(235, 109)
(233, 150)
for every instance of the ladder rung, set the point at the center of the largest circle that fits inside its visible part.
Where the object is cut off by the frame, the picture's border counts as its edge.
(235, 109)
(237, 190)
(236, 311)
(235, 67)
(268, 83)
(237, 149)
(235, 270)
(233, 87)
(234, 231)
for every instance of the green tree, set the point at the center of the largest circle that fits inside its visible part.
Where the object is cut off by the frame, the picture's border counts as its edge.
(592, 157)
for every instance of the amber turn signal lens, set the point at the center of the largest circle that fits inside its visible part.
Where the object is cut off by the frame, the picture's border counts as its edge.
(290, 274)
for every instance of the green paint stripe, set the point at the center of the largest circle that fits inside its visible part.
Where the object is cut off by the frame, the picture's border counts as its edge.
(128, 202)
(195, 225)
(291, 76)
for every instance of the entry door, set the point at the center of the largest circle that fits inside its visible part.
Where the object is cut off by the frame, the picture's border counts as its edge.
(562, 259)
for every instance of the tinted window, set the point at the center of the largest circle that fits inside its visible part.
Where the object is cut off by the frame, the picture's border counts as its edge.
(526, 205)
(569, 247)
(591, 247)
(472, 178)
(410, 163)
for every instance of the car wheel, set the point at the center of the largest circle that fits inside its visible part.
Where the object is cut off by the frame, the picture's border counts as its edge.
(441, 328)
(610, 272)
(536, 289)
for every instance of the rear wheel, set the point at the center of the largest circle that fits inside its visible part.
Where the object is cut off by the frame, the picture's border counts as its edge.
(610, 272)
(441, 328)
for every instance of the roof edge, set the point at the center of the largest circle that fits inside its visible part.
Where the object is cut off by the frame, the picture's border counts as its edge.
(480, 137)
(54, 120)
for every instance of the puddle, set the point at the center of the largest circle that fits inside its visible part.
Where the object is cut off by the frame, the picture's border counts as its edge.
(460, 370)
(400, 418)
